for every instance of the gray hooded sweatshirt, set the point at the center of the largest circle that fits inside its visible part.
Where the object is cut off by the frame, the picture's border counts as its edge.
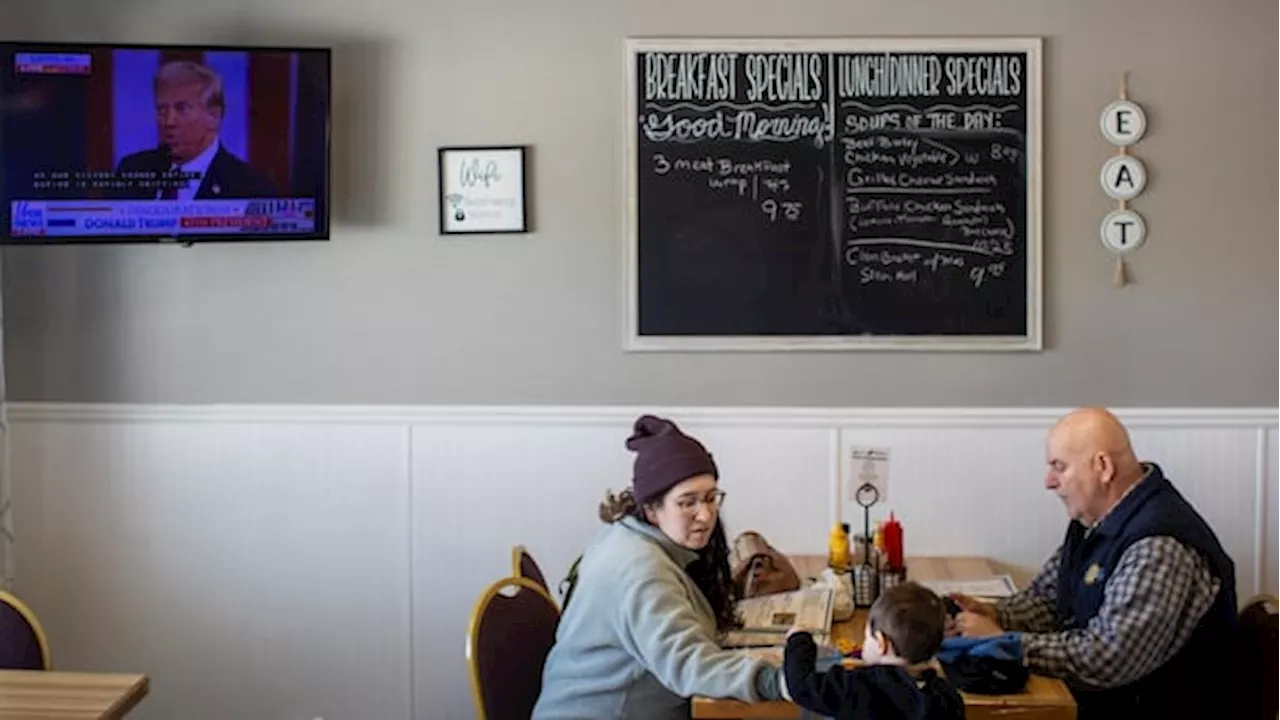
(638, 638)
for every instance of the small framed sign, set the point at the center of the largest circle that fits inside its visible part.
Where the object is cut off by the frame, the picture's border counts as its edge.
(483, 190)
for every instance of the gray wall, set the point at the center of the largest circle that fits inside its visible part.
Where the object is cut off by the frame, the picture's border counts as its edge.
(389, 313)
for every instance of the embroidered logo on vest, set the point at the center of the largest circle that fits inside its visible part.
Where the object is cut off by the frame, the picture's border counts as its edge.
(1093, 574)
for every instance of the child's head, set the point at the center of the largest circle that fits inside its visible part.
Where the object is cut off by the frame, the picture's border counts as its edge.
(907, 621)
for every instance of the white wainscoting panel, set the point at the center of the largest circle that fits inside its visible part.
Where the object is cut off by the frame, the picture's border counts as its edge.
(319, 562)
(964, 491)
(253, 570)
(1216, 469)
(1269, 498)
(477, 491)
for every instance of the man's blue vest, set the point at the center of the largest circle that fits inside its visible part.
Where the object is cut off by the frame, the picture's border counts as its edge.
(1192, 682)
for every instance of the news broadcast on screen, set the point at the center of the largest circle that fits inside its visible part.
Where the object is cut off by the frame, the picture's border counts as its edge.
(112, 143)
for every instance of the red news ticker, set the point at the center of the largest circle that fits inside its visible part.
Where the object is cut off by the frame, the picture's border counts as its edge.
(208, 221)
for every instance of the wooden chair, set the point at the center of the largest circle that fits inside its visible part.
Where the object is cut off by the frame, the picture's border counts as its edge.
(1260, 640)
(23, 644)
(524, 566)
(508, 638)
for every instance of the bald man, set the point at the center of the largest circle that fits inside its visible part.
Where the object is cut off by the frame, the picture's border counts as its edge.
(1136, 610)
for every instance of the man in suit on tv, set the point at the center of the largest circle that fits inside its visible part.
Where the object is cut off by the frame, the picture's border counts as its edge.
(189, 105)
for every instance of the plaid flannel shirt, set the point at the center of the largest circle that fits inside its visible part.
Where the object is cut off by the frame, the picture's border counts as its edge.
(1152, 602)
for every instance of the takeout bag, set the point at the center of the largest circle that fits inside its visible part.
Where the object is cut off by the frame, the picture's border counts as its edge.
(759, 569)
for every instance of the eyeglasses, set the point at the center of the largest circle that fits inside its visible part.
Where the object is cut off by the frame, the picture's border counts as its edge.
(689, 505)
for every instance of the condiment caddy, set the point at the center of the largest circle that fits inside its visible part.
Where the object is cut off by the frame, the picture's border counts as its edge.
(873, 560)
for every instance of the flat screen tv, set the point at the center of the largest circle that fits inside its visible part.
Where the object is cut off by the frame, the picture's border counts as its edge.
(133, 143)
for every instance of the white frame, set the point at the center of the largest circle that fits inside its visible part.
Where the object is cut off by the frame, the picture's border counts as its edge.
(1031, 341)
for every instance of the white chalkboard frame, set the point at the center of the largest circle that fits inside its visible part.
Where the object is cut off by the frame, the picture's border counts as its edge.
(1030, 341)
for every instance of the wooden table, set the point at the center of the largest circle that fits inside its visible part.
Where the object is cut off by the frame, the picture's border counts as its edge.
(1043, 699)
(40, 695)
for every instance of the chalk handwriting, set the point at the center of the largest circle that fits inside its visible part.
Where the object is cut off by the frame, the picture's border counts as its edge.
(690, 76)
(759, 178)
(923, 144)
(785, 77)
(687, 123)
(858, 180)
(789, 210)
(906, 260)
(901, 152)
(927, 75)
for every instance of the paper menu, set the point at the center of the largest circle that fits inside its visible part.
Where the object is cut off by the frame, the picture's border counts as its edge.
(767, 618)
(996, 586)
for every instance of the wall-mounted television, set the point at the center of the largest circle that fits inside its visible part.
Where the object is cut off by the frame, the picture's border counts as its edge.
(147, 143)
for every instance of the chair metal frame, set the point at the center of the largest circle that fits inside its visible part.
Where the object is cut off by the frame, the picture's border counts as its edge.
(29, 615)
(473, 629)
(1264, 599)
(518, 552)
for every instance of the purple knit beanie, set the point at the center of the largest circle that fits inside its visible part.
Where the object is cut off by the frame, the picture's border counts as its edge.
(664, 457)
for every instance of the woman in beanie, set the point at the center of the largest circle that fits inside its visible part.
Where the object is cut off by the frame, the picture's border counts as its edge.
(650, 597)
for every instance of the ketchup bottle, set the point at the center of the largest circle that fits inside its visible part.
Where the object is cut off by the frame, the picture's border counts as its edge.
(893, 542)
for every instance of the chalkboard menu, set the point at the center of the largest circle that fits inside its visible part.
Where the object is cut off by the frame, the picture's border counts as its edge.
(833, 194)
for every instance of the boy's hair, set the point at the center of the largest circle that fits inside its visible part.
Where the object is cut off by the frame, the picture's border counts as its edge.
(913, 618)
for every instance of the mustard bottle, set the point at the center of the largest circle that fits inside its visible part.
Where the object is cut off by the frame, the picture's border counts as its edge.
(838, 548)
